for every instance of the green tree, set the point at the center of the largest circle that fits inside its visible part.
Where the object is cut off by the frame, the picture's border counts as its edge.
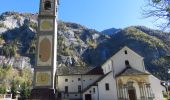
(2, 89)
(14, 89)
(10, 49)
(160, 9)
(25, 91)
(32, 47)
(15, 78)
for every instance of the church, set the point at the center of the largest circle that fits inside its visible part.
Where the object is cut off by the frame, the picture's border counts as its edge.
(122, 77)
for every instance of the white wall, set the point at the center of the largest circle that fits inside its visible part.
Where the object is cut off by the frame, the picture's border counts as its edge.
(107, 67)
(89, 79)
(73, 83)
(103, 93)
(118, 60)
(71, 96)
(157, 88)
(93, 94)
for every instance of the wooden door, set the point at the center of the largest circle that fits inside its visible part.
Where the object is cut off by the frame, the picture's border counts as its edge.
(88, 97)
(132, 94)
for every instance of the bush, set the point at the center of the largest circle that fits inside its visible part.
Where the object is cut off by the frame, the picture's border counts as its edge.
(2, 25)
(14, 90)
(2, 89)
(32, 25)
(25, 91)
(9, 50)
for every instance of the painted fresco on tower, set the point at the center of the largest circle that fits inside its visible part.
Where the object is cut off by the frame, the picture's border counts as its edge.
(46, 25)
(44, 51)
(43, 78)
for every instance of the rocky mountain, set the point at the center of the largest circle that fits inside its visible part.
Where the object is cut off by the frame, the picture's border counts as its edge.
(80, 48)
(110, 31)
(153, 45)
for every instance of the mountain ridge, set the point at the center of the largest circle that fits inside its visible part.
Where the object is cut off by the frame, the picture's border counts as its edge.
(80, 48)
(110, 31)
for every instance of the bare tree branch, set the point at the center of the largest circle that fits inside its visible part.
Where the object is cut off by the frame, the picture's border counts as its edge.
(159, 9)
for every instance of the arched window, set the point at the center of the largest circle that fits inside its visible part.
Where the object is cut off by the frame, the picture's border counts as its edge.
(125, 51)
(127, 63)
(47, 5)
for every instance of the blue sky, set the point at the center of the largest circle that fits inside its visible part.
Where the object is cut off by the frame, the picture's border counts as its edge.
(95, 14)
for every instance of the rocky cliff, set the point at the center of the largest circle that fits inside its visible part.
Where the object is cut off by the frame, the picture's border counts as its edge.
(80, 48)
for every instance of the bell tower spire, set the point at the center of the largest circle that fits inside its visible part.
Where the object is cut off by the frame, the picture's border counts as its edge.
(46, 53)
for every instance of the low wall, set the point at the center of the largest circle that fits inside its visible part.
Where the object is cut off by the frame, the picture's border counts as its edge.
(6, 96)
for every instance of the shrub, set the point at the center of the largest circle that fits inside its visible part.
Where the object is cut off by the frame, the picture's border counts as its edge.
(25, 91)
(2, 25)
(2, 89)
(14, 90)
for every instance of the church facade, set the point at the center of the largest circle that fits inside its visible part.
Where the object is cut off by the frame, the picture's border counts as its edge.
(122, 77)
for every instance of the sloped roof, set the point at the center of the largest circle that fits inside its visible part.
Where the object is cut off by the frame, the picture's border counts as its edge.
(64, 71)
(123, 48)
(95, 83)
(129, 71)
(95, 71)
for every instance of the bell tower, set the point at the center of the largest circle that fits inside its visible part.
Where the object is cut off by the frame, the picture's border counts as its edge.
(46, 53)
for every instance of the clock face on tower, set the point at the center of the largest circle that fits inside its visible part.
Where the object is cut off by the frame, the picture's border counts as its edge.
(44, 51)
(46, 25)
(43, 78)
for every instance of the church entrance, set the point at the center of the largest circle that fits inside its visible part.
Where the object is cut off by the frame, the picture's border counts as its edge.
(132, 94)
(88, 97)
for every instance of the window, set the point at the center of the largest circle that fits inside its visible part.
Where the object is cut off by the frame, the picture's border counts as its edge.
(66, 80)
(94, 90)
(47, 5)
(66, 89)
(107, 86)
(79, 88)
(79, 79)
(125, 51)
(127, 63)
